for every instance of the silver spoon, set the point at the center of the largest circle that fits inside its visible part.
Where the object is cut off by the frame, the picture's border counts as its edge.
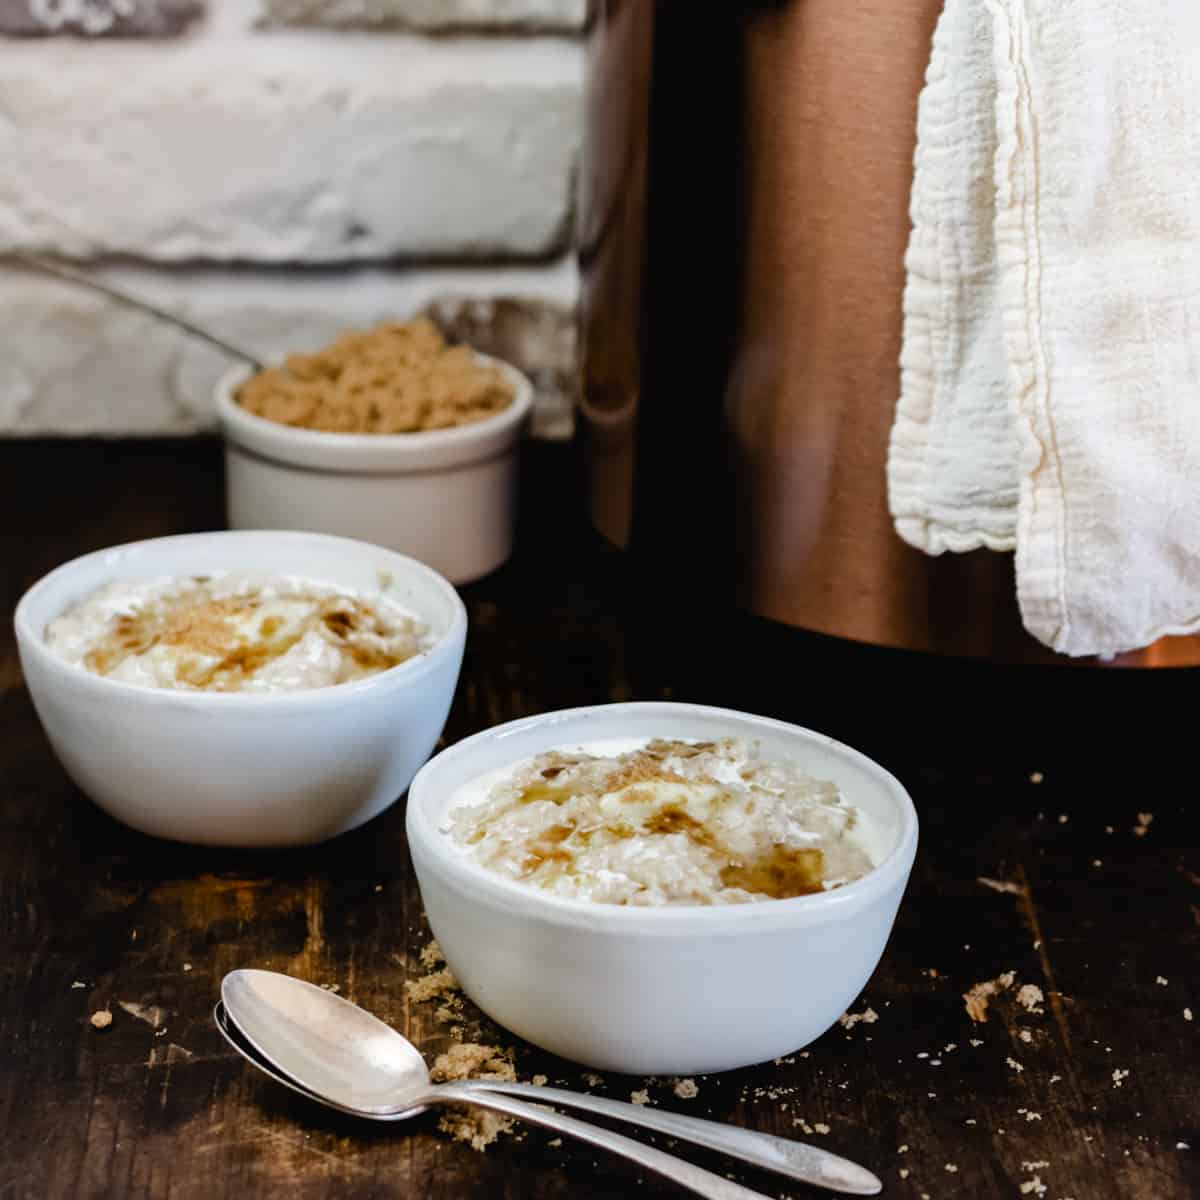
(50, 266)
(794, 1159)
(333, 1051)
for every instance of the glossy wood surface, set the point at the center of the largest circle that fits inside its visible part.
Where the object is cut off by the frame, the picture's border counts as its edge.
(1105, 922)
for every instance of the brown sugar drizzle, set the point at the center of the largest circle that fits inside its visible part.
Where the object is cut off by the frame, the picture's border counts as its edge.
(782, 873)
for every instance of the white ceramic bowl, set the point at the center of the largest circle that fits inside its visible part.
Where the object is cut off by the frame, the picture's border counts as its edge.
(242, 769)
(444, 496)
(672, 990)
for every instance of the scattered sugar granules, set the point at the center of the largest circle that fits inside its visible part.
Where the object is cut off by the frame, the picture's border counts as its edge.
(686, 1089)
(951, 1169)
(101, 1019)
(1001, 885)
(1187, 1014)
(1143, 824)
(1016, 1066)
(431, 986)
(1033, 1187)
(976, 999)
(440, 985)
(539, 1081)
(642, 1097)
(470, 1060)
(1119, 1076)
(592, 1079)
(1036, 777)
(848, 1020)
(1161, 980)
(1025, 1035)
(1030, 997)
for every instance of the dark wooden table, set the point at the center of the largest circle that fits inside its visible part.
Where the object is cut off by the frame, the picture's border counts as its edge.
(1097, 1095)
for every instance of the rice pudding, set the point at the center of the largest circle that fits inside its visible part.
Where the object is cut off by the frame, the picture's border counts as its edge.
(655, 822)
(235, 632)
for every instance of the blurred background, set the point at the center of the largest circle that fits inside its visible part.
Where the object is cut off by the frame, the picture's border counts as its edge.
(280, 171)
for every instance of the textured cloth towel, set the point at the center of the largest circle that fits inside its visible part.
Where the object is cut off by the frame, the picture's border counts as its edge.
(1051, 356)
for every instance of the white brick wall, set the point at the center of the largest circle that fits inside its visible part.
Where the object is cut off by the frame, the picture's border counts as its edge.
(284, 184)
(430, 14)
(76, 362)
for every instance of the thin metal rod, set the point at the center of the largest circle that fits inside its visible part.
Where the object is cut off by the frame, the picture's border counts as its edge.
(49, 266)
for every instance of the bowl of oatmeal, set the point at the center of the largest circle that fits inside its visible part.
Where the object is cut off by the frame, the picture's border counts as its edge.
(660, 888)
(388, 435)
(242, 688)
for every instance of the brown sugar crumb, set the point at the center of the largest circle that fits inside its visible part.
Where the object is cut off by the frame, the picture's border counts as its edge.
(439, 984)
(686, 1089)
(399, 377)
(101, 1019)
(1031, 998)
(977, 998)
(1002, 885)
(431, 986)
(471, 1060)
(848, 1020)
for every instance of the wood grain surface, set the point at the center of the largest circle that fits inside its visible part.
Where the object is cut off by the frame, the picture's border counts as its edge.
(1104, 920)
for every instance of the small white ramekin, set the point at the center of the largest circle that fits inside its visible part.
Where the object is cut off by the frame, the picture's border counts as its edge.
(674, 990)
(244, 769)
(444, 496)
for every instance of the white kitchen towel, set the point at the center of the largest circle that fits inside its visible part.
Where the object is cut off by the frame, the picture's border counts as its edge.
(1050, 372)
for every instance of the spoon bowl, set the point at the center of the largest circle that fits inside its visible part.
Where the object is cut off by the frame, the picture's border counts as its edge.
(340, 1052)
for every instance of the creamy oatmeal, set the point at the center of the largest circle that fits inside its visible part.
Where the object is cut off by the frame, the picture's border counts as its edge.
(236, 632)
(663, 822)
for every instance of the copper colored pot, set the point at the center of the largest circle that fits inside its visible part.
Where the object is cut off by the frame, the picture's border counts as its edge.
(746, 181)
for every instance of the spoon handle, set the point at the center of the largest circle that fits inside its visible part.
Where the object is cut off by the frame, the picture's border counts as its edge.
(50, 266)
(809, 1164)
(686, 1174)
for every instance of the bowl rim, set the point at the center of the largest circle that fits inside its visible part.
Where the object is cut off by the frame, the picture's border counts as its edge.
(31, 640)
(475, 882)
(367, 451)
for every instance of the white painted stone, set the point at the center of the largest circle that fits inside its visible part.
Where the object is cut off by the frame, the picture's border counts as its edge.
(78, 363)
(566, 15)
(289, 146)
